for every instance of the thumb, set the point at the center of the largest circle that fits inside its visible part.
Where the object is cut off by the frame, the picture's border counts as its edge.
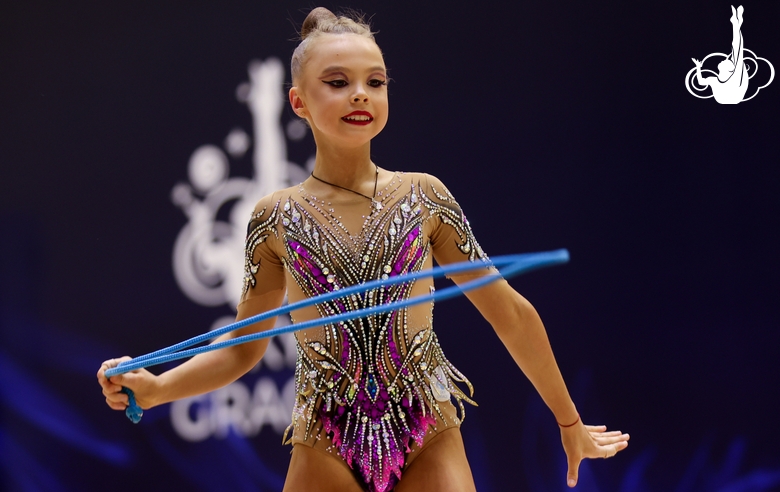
(128, 380)
(572, 475)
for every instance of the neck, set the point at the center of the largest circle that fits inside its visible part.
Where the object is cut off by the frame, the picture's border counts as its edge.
(348, 167)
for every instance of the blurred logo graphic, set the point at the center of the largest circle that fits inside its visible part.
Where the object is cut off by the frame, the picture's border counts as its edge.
(730, 83)
(208, 256)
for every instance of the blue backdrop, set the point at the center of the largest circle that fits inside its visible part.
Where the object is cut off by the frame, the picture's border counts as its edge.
(132, 132)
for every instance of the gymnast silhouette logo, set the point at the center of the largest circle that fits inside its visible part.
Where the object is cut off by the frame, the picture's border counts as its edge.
(730, 84)
(208, 259)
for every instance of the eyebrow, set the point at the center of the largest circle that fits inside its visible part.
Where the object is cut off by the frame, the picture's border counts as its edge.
(336, 68)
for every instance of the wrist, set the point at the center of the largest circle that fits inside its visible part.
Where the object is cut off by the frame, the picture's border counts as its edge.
(564, 425)
(568, 416)
(159, 394)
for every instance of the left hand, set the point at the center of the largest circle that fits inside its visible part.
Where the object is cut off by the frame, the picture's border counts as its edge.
(588, 441)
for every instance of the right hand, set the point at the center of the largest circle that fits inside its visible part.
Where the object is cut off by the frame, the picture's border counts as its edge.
(143, 383)
(697, 62)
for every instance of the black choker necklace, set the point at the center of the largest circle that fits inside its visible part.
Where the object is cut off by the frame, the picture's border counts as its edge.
(374, 202)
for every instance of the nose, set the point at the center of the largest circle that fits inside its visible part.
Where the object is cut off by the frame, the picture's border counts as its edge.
(360, 95)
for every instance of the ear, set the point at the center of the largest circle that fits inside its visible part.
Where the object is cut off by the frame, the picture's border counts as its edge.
(297, 102)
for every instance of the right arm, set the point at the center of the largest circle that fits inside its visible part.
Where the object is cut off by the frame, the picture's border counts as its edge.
(201, 374)
(265, 290)
(701, 80)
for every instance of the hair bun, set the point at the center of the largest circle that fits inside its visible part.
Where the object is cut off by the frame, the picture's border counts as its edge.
(322, 21)
(313, 20)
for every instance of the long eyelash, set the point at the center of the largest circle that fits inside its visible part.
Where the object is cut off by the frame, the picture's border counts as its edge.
(338, 83)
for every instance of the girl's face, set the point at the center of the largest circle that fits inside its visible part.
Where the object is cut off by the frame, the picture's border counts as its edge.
(342, 90)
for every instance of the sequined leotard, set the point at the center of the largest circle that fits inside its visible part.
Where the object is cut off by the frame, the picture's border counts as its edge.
(370, 389)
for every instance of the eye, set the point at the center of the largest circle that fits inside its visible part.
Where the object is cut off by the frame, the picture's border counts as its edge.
(377, 82)
(338, 83)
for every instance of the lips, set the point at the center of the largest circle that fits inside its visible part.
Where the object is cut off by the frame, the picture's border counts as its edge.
(358, 118)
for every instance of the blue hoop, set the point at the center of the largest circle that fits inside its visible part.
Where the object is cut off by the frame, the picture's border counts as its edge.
(511, 265)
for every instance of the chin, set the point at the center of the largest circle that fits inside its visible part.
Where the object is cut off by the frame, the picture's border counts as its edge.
(362, 138)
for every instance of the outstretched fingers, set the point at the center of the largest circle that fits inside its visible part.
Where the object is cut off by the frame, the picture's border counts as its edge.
(607, 444)
(611, 450)
(609, 437)
(589, 441)
(595, 428)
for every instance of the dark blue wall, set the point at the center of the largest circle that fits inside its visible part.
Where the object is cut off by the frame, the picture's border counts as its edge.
(555, 124)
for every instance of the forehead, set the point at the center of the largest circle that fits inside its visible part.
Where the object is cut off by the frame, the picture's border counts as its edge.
(350, 51)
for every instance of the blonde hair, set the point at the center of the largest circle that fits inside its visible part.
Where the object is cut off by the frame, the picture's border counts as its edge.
(322, 21)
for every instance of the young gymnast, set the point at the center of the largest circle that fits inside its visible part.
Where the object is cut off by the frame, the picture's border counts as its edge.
(731, 84)
(378, 404)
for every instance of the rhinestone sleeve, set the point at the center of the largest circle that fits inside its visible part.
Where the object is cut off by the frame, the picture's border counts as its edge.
(259, 254)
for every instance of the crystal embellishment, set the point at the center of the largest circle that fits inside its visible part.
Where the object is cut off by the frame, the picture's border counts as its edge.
(371, 386)
(365, 384)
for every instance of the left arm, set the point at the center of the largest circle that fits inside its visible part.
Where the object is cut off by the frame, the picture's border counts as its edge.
(520, 328)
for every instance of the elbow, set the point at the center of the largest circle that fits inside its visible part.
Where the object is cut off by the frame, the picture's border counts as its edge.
(517, 312)
(247, 355)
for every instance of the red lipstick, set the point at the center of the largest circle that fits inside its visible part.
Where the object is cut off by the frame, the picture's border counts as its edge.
(358, 118)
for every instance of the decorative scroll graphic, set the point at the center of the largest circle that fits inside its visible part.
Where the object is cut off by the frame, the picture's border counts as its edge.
(208, 255)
